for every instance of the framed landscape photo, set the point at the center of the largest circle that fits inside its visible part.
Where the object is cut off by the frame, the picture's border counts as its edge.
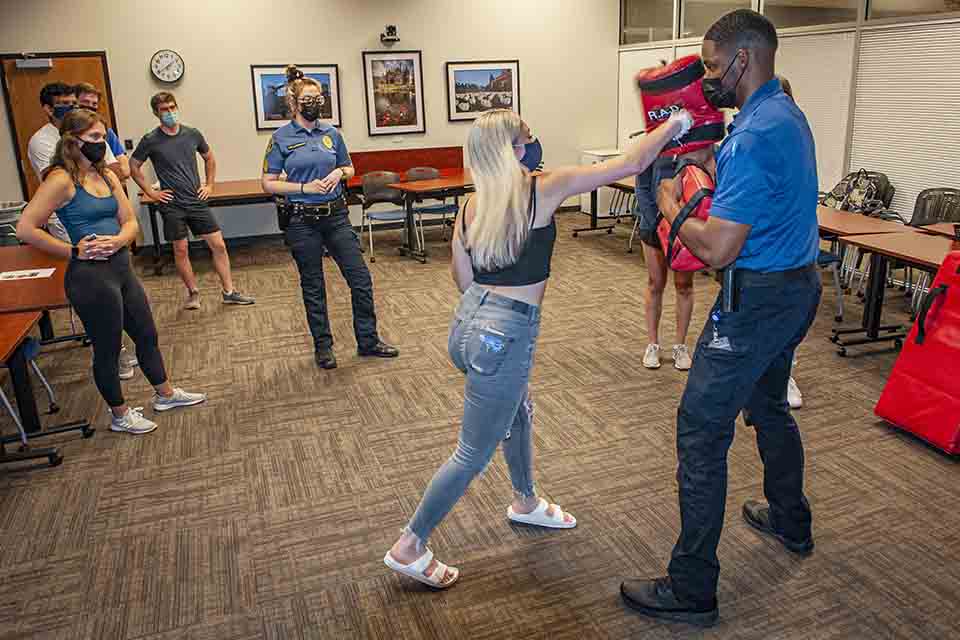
(393, 84)
(475, 87)
(270, 93)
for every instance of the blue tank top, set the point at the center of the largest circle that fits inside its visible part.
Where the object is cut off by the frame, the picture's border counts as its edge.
(86, 214)
(533, 263)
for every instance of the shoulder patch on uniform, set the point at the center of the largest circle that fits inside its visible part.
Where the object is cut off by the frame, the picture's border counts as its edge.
(328, 142)
(266, 155)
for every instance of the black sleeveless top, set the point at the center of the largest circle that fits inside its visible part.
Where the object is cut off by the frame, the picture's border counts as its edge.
(533, 264)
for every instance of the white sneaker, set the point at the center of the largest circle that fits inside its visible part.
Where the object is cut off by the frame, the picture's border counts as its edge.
(193, 301)
(180, 398)
(132, 422)
(127, 364)
(681, 357)
(651, 358)
(794, 397)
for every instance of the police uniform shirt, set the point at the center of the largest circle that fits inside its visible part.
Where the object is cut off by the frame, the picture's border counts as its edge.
(306, 155)
(767, 178)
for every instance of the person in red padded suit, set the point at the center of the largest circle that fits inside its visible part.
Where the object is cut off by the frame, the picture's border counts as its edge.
(663, 89)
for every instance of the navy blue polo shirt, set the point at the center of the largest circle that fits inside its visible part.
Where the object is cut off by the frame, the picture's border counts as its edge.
(306, 155)
(767, 178)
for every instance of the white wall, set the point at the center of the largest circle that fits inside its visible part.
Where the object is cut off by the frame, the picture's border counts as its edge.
(818, 68)
(631, 118)
(567, 51)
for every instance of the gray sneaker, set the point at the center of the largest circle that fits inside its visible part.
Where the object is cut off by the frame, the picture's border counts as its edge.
(193, 301)
(180, 398)
(235, 297)
(132, 422)
(128, 358)
(128, 364)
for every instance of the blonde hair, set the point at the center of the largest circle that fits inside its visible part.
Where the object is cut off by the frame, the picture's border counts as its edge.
(74, 125)
(296, 81)
(500, 225)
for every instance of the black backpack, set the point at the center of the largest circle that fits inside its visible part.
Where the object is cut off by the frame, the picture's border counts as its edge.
(866, 192)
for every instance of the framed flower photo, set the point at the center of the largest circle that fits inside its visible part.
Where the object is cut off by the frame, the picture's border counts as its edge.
(393, 84)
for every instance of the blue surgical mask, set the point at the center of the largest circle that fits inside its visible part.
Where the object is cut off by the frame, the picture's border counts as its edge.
(532, 156)
(170, 118)
(61, 110)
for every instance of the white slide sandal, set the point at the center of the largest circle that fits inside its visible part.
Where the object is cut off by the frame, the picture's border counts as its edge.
(539, 517)
(416, 568)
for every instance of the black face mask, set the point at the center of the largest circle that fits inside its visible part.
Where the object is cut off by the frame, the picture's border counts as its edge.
(716, 95)
(310, 112)
(533, 156)
(94, 151)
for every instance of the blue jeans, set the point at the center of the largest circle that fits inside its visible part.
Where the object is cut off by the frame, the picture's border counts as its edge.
(742, 362)
(492, 341)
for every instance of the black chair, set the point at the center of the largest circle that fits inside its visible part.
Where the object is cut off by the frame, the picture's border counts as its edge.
(376, 191)
(936, 205)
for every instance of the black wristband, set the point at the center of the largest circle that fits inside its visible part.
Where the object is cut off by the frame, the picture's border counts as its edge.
(301, 187)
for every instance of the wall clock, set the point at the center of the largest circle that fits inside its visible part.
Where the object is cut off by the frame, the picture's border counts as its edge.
(167, 66)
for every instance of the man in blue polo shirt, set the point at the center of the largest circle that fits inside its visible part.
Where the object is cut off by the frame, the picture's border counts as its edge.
(763, 230)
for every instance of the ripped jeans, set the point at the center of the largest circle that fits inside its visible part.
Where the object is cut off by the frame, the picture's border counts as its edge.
(492, 341)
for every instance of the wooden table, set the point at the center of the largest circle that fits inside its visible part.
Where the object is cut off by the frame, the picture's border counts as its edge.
(225, 194)
(940, 228)
(845, 223)
(39, 294)
(916, 249)
(456, 182)
(14, 331)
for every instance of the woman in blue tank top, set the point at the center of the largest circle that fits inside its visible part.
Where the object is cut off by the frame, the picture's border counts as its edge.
(502, 245)
(99, 282)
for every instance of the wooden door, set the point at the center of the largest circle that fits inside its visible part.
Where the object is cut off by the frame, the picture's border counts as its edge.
(21, 88)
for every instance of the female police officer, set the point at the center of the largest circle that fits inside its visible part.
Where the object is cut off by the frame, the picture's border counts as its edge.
(314, 216)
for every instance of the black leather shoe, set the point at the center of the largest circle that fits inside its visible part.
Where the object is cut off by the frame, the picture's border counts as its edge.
(379, 350)
(655, 598)
(325, 358)
(757, 515)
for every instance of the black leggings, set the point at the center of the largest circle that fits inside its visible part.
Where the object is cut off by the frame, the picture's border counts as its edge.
(109, 299)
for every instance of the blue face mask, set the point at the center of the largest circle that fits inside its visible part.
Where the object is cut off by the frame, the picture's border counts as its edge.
(532, 155)
(170, 118)
(61, 110)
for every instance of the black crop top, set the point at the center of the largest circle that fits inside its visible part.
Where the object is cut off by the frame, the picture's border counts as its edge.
(533, 264)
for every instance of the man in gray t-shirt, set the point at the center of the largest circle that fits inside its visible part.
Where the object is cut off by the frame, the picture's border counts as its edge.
(182, 199)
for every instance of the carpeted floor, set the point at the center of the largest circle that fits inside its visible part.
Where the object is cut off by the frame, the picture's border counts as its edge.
(265, 513)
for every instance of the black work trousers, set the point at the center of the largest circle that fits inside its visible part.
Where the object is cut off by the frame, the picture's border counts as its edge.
(307, 241)
(109, 299)
(742, 362)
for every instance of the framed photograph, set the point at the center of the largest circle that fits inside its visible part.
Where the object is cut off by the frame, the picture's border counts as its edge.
(393, 83)
(270, 93)
(475, 87)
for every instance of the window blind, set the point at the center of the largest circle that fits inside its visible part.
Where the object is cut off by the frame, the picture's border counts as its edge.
(906, 116)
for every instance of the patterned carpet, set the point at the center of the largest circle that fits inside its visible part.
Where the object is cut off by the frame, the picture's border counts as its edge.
(265, 512)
